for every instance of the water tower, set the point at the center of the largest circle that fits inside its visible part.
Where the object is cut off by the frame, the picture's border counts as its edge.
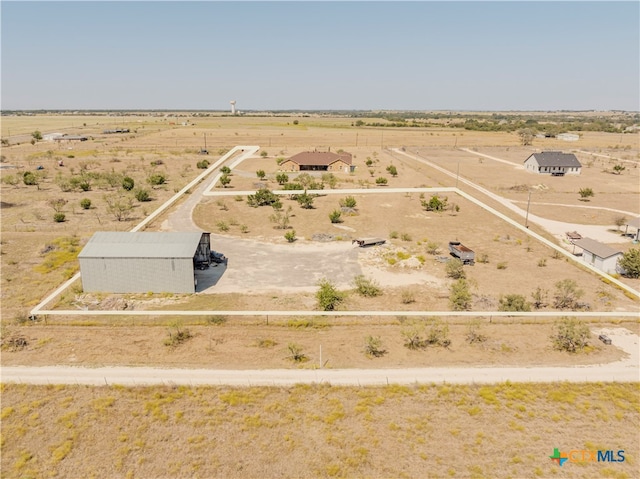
(233, 107)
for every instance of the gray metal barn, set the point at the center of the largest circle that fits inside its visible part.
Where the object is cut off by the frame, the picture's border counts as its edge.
(123, 262)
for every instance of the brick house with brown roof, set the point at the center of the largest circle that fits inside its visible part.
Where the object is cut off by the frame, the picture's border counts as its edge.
(318, 161)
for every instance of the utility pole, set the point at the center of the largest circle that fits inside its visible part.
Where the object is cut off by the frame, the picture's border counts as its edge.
(458, 174)
(526, 219)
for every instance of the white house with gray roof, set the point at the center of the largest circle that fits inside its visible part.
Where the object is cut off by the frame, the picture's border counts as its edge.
(125, 262)
(553, 163)
(599, 255)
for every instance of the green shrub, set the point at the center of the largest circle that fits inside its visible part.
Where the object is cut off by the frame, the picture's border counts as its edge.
(128, 183)
(329, 298)
(348, 202)
(373, 347)
(455, 269)
(156, 179)
(85, 203)
(203, 165)
(290, 236)
(381, 180)
(142, 194)
(335, 216)
(366, 287)
(514, 302)
(59, 217)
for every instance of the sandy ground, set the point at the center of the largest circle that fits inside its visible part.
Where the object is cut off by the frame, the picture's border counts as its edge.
(627, 369)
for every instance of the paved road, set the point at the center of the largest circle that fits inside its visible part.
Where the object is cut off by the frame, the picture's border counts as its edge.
(626, 370)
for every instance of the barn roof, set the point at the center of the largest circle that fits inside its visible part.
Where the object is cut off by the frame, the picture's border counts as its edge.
(320, 158)
(598, 249)
(556, 158)
(111, 244)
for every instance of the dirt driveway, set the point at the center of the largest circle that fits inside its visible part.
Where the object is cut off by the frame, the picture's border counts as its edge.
(259, 267)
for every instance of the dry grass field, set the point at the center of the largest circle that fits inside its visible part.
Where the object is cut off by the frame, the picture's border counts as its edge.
(428, 431)
(504, 430)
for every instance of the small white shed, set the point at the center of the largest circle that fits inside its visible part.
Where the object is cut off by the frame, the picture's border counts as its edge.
(599, 255)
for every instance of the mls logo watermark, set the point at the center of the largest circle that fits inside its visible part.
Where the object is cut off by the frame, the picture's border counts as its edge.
(583, 455)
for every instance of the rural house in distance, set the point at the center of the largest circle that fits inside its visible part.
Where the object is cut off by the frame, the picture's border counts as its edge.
(319, 161)
(554, 163)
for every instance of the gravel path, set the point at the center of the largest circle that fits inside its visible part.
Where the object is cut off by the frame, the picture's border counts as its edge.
(626, 370)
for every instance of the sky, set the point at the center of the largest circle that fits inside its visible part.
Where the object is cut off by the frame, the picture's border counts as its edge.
(327, 55)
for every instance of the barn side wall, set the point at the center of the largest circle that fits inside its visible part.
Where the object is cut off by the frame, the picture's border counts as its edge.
(137, 275)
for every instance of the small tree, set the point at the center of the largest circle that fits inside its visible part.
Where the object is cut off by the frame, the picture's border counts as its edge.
(329, 298)
(373, 347)
(57, 204)
(570, 335)
(281, 218)
(225, 180)
(455, 269)
(413, 334)
(392, 170)
(225, 170)
(335, 216)
(618, 169)
(263, 197)
(567, 294)
(36, 135)
(261, 174)
(474, 334)
(128, 183)
(305, 200)
(330, 179)
(366, 287)
(119, 206)
(630, 263)
(85, 203)
(435, 203)
(585, 194)
(282, 178)
(460, 296)
(539, 297)
(619, 221)
(526, 136)
(513, 302)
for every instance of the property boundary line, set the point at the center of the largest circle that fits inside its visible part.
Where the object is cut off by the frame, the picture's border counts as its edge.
(251, 150)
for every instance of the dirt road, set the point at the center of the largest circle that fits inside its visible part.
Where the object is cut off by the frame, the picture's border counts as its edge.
(626, 370)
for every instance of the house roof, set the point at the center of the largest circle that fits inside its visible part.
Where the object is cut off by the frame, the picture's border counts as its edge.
(634, 223)
(320, 158)
(598, 249)
(111, 244)
(556, 158)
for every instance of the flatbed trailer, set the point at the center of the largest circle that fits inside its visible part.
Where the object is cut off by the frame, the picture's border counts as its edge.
(364, 242)
(460, 251)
